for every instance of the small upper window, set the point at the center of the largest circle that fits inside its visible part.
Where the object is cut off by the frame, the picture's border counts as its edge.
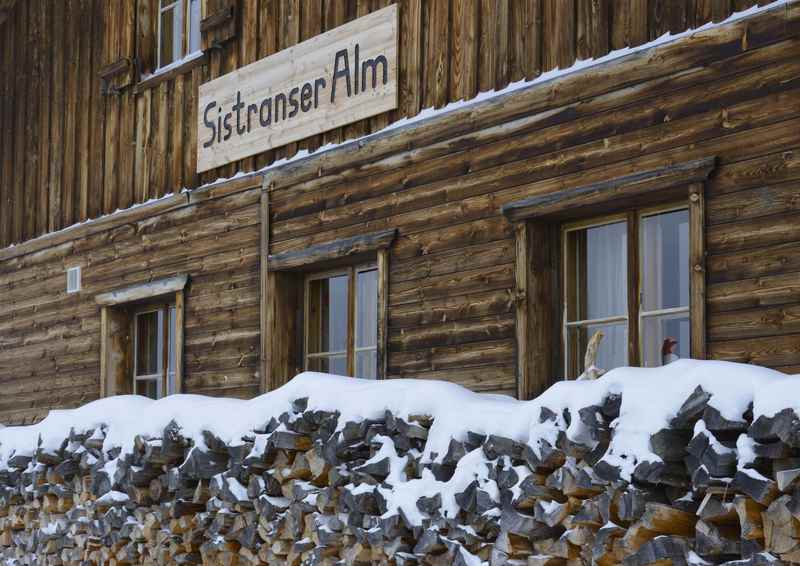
(603, 275)
(178, 30)
(154, 357)
(341, 329)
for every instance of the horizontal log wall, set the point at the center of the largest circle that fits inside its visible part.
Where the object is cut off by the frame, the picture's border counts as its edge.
(733, 94)
(68, 153)
(50, 341)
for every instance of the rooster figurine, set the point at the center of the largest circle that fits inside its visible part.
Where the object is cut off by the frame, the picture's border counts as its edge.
(668, 354)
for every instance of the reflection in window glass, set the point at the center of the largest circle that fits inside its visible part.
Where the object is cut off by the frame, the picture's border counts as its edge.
(666, 339)
(665, 287)
(597, 294)
(366, 324)
(342, 322)
(147, 387)
(194, 25)
(328, 309)
(604, 270)
(665, 260)
(613, 351)
(147, 343)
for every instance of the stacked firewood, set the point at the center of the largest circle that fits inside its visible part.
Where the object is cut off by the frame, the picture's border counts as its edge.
(309, 489)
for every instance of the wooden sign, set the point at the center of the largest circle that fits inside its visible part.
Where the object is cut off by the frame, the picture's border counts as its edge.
(344, 75)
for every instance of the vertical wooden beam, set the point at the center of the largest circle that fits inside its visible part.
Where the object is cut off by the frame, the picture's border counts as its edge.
(98, 117)
(522, 272)
(487, 72)
(525, 43)
(333, 16)
(72, 68)
(35, 61)
(558, 17)
(127, 113)
(592, 33)
(180, 317)
(383, 312)
(84, 100)
(264, 299)
(634, 351)
(410, 57)
(502, 49)
(697, 263)
(544, 306)
(22, 95)
(104, 344)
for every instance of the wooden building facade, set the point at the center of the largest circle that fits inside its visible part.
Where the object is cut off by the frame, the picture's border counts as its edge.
(475, 231)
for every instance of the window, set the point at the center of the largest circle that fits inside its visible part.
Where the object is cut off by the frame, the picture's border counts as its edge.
(341, 329)
(141, 338)
(154, 332)
(636, 295)
(178, 30)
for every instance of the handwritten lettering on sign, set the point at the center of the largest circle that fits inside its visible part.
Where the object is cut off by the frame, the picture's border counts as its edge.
(336, 78)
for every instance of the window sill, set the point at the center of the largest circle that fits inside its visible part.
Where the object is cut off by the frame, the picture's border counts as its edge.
(171, 71)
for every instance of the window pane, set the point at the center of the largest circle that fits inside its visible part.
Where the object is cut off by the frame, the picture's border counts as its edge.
(613, 351)
(367, 364)
(328, 314)
(367, 308)
(665, 260)
(599, 258)
(167, 39)
(147, 387)
(329, 364)
(665, 339)
(147, 344)
(194, 25)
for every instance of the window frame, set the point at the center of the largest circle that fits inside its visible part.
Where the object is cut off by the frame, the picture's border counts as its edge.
(184, 9)
(351, 351)
(118, 309)
(165, 376)
(635, 315)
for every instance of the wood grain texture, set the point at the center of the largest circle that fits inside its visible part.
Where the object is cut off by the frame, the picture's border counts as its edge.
(452, 283)
(475, 45)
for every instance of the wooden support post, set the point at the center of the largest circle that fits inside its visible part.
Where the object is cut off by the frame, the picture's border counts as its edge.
(521, 272)
(697, 263)
(264, 263)
(179, 320)
(537, 301)
(383, 311)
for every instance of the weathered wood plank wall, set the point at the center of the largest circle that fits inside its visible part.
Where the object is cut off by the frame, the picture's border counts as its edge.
(50, 341)
(452, 280)
(68, 152)
(733, 93)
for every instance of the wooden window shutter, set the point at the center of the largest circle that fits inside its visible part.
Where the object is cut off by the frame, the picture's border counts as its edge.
(119, 41)
(219, 22)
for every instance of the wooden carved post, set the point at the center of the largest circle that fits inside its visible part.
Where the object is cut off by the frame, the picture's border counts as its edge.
(697, 278)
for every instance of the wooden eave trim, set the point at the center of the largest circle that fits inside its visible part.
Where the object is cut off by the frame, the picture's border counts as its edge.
(101, 224)
(604, 192)
(331, 250)
(141, 291)
(134, 214)
(157, 78)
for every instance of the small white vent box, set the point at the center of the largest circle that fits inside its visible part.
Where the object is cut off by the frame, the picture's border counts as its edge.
(73, 279)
